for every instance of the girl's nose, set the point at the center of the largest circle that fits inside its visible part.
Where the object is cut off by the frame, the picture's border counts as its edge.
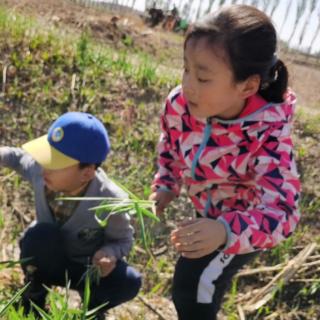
(188, 86)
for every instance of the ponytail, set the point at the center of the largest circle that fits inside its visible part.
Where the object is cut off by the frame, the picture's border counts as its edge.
(274, 87)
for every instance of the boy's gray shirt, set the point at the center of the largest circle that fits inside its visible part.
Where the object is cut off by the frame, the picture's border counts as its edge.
(82, 234)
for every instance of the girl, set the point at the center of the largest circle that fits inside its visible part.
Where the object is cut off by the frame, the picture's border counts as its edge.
(226, 136)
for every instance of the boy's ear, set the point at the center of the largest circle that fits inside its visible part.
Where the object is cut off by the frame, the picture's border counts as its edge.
(250, 86)
(88, 173)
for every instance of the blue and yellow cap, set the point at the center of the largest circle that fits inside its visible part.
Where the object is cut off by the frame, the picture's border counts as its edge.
(75, 137)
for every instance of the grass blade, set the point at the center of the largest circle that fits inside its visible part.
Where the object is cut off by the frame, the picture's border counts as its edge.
(13, 299)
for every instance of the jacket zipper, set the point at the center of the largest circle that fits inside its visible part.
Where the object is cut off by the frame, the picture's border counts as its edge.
(207, 133)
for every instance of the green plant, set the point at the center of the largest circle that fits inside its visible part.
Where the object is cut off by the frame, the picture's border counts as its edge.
(230, 305)
(14, 299)
(111, 206)
(281, 252)
(127, 40)
(145, 73)
(1, 219)
(12, 263)
(58, 305)
(83, 53)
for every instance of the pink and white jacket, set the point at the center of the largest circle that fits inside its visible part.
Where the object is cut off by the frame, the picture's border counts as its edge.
(240, 172)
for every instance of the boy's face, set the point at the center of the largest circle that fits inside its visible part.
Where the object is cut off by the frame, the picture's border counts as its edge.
(68, 180)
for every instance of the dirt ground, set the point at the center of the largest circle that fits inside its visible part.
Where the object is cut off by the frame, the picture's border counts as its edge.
(118, 28)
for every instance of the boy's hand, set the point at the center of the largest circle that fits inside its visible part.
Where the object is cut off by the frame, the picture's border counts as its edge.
(162, 199)
(196, 238)
(105, 263)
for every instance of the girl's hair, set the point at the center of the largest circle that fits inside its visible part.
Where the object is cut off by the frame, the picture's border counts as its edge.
(248, 38)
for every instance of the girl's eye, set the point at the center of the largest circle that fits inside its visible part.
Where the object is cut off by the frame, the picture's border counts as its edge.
(203, 80)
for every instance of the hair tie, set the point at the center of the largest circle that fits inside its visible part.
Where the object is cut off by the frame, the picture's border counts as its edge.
(273, 77)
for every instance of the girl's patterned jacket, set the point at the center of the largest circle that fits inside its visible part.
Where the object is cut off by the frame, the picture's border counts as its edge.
(240, 172)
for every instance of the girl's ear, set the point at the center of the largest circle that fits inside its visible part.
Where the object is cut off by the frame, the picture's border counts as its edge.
(250, 86)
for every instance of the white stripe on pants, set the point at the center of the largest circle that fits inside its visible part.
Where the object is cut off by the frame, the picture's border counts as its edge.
(212, 272)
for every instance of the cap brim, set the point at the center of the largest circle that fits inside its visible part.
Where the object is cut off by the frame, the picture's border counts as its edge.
(47, 156)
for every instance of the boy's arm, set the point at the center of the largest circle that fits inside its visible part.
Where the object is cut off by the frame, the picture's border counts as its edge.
(168, 177)
(18, 160)
(277, 182)
(118, 236)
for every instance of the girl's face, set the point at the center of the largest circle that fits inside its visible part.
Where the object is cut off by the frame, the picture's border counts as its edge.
(68, 180)
(208, 83)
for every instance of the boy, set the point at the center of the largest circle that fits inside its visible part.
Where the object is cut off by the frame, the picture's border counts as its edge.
(65, 236)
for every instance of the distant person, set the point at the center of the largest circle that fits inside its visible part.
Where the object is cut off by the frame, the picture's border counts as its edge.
(155, 15)
(174, 11)
(66, 238)
(226, 136)
(171, 20)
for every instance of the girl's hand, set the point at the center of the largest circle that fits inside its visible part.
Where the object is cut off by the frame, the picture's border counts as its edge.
(198, 237)
(162, 199)
(105, 263)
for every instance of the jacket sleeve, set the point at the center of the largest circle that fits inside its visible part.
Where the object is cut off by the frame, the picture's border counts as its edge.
(20, 161)
(277, 182)
(168, 177)
(118, 236)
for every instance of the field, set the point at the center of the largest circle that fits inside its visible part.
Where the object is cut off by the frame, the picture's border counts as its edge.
(57, 56)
